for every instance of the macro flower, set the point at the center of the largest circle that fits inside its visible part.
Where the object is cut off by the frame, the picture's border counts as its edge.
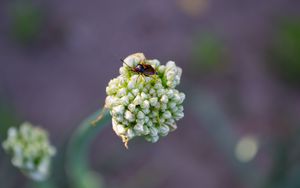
(30, 150)
(141, 105)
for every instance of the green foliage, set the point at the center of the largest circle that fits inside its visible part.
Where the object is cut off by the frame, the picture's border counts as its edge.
(7, 118)
(285, 170)
(207, 53)
(26, 21)
(286, 51)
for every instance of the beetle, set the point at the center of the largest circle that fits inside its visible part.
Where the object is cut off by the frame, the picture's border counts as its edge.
(142, 68)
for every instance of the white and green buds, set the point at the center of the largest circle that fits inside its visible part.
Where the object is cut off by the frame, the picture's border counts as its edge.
(30, 150)
(141, 105)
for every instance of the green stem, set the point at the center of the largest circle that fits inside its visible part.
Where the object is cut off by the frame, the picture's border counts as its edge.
(45, 184)
(219, 126)
(78, 169)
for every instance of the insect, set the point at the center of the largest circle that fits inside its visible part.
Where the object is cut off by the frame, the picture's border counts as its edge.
(142, 69)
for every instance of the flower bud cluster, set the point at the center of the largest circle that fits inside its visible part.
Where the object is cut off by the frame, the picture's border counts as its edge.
(30, 150)
(141, 105)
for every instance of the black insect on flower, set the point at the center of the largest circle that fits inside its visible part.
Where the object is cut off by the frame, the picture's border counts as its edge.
(142, 68)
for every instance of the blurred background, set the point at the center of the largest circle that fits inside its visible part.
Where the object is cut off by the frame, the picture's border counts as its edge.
(241, 75)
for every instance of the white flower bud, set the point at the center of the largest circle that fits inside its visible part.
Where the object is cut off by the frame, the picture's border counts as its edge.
(146, 130)
(144, 96)
(153, 101)
(131, 107)
(131, 84)
(140, 115)
(139, 128)
(130, 134)
(179, 115)
(177, 98)
(134, 59)
(150, 124)
(130, 96)
(152, 91)
(174, 109)
(123, 71)
(119, 118)
(160, 92)
(30, 150)
(147, 119)
(120, 129)
(153, 131)
(164, 99)
(152, 139)
(163, 107)
(135, 91)
(167, 115)
(124, 100)
(140, 121)
(173, 127)
(158, 86)
(182, 97)
(129, 116)
(171, 105)
(145, 104)
(170, 93)
(110, 101)
(161, 69)
(118, 110)
(121, 92)
(154, 62)
(12, 132)
(163, 130)
(171, 64)
(146, 111)
(138, 100)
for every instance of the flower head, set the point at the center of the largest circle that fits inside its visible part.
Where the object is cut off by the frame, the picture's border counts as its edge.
(30, 150)
(141, 105)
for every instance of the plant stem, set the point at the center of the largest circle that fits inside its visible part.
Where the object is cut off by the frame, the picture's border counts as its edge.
(78, 169)
(219, 126)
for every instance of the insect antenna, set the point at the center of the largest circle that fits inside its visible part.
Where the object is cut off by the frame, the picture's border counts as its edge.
(126, 63)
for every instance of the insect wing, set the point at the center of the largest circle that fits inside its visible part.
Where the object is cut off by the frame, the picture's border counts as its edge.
(149, 70)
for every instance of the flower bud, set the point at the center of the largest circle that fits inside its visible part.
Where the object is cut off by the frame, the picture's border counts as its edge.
(30, 150)
(147, 106)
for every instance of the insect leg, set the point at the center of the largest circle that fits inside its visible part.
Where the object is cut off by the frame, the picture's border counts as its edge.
(137, 78)
(143, 76)
(155, 77)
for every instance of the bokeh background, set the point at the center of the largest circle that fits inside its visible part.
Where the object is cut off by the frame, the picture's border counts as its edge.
(241, 75)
